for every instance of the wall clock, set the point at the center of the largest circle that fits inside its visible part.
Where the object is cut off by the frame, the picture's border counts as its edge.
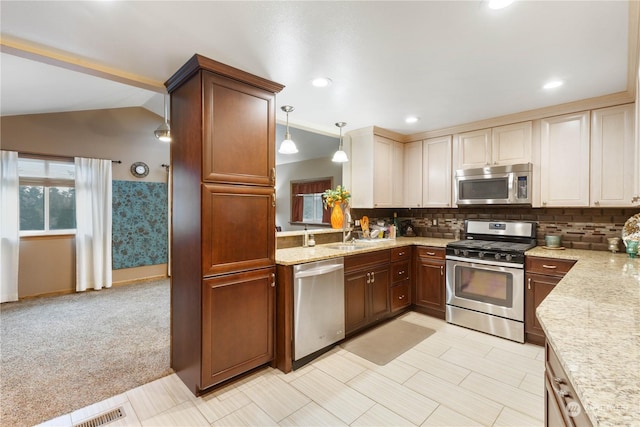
(139, 169)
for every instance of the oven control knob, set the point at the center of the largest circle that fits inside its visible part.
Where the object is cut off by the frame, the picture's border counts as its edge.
(480, 254)
(456, 251)
(497, 256)
(465, 253)
(508, 257)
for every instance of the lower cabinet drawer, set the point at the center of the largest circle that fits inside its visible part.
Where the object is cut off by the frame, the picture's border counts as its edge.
(399, 271)
(400, 297)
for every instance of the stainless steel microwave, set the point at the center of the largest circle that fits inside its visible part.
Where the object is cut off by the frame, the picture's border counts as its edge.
(494, 185)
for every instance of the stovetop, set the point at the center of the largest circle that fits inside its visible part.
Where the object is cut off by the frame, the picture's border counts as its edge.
(503, 241)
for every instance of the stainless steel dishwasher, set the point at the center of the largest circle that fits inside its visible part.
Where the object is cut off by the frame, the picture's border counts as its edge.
(318, 306)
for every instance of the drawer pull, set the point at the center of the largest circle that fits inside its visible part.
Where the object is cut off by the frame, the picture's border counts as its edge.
(529, 283)
(549, 266)
(400, 253)
(373, 276)
(442, 270)
(401, 297)
(368, 277)
(431, 253)
(400, 273)
(558, 380)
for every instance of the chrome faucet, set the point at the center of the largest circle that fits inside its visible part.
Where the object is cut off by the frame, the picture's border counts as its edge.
(347, 226)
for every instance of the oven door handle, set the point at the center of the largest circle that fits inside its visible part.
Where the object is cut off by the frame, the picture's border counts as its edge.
(483, 262)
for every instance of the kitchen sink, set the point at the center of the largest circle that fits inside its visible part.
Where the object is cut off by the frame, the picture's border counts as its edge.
(371, 241)
(343, 247)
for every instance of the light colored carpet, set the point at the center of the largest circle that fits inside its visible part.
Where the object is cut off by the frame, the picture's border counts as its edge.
(62, 353)
(384, 343)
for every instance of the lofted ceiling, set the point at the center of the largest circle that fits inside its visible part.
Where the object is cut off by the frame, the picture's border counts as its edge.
(447, 62)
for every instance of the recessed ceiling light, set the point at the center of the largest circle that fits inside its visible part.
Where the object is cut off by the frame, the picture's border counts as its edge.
(499, 4)
(411, 119)
(321, 82)
(553, 84)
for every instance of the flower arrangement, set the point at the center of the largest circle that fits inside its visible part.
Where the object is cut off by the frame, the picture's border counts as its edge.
(331, 197)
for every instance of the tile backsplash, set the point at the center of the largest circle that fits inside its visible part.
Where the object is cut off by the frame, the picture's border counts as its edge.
(580, 228)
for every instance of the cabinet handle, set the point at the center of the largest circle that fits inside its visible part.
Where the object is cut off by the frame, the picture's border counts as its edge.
(401, 254)
(400, 273)
(273, 175)
(273, 280)
(596, 202)
(558, 380)
(442, 270)
(273, 199)
(401, 297)
(529, 283)
(373, 277)
(368, 277)
(431, 253)
(551, 267)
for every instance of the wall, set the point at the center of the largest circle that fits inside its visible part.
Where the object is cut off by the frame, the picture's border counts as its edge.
(314, 168)
(124, 134)
(580, 228)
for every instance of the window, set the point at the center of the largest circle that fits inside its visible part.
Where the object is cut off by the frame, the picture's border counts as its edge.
(47, 196)
(306, 201)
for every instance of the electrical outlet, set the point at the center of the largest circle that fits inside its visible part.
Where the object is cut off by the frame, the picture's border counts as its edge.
(434, 221)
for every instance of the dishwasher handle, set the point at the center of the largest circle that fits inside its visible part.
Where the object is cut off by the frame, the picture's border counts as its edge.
(318, 271)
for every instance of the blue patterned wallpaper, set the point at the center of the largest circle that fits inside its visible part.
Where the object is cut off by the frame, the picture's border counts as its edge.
(139, 226)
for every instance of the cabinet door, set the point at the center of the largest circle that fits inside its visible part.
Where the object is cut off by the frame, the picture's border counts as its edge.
(436, 178)
(612, 153)
(355, 299)
(473, 149)
(538, 287)
(430, 286)
(397, 177)
(237, 324)
(238, 132)
(564, 160)
(379, 304)
(412, 177)
(238, 228)
(382, 172)
(511, 144)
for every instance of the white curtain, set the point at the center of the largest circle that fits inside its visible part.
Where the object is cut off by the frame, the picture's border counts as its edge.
(93, 224)
(9, 225)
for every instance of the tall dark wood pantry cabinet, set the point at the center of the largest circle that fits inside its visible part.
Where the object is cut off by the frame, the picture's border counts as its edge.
(223, 222)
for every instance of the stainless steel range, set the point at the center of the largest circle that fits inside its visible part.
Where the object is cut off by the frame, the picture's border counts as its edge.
(485, 277)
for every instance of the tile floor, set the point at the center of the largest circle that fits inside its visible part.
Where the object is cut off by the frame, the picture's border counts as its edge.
(455, 377)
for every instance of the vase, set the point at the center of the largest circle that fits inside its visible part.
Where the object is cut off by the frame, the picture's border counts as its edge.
(337, 215)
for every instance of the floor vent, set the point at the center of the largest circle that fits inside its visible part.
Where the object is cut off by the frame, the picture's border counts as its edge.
(103, 419)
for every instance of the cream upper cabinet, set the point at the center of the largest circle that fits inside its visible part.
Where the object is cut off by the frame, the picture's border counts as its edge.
(374, 170)
(511, 144)
(613, 175)
(436, 172)
(412, 176)
(473, 149)
(502, 145)
(564, 160)
(397, 177)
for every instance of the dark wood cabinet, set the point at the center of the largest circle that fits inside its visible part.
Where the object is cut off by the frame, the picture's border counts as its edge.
(223, 222)
(541, 276)
(562, 404)
(237, 323)
(401, 276)
(429, 285)
(366, 289)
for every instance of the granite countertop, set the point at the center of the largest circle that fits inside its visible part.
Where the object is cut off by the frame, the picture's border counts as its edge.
(592, 321)
(300, 255)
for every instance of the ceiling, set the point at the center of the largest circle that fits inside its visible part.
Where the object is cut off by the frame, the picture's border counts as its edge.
(447, 62)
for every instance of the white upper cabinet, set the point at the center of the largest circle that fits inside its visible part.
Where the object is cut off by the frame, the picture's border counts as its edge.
(503, 145)
(564, 160)
(412, 177)
(373, 173)
(511, 144)
(613, 175)
(473, 149)
(436, 172)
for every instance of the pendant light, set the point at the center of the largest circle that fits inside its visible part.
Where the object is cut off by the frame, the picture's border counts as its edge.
(287, 146)
(163, 133)
(340, 156)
